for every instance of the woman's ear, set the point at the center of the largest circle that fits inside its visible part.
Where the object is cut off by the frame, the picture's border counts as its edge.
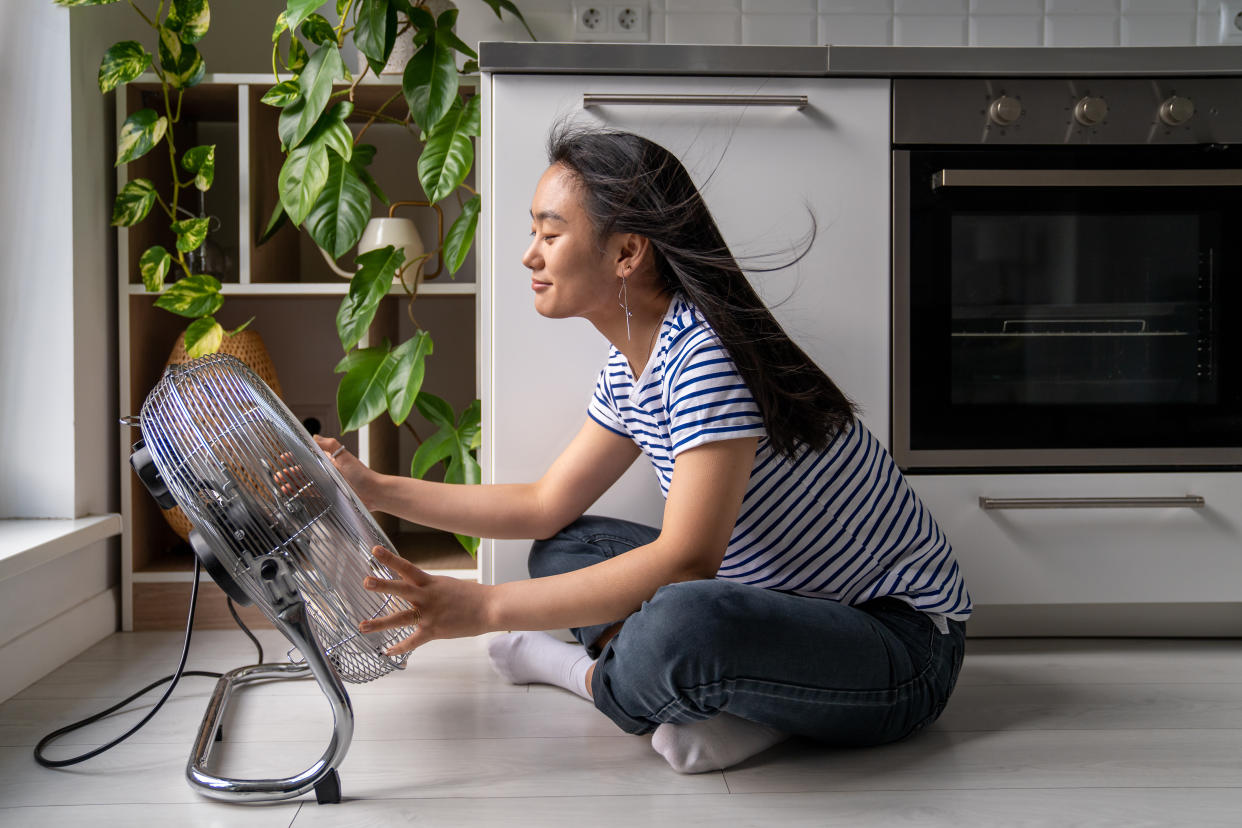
(632, 253)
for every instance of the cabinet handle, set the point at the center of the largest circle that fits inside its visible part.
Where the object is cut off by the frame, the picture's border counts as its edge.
(1086, 178)
(590, 99)
(1186, 502)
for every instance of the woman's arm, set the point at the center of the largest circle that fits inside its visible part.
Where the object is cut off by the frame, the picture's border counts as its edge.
(704, 499)
(592, 462)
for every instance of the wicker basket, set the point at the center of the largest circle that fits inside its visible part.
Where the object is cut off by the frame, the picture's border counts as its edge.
(248, 347)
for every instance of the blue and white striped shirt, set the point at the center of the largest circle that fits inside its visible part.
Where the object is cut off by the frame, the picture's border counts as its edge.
(841, 523)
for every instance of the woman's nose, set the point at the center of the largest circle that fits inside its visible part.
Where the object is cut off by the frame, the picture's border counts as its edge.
(530, 257)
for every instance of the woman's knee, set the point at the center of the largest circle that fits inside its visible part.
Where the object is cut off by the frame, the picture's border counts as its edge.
(682, 626)
(588, 540)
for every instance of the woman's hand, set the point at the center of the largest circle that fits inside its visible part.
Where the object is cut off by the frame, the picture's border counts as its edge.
(443, 606)
(364, 481)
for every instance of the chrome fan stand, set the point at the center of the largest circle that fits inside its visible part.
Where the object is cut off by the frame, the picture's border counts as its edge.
(321, 776)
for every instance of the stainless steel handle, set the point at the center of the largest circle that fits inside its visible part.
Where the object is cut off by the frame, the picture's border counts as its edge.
(590, 99)
(1184, 501)
(1087, 178)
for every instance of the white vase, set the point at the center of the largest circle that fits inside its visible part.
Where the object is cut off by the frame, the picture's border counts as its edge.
(403, 47)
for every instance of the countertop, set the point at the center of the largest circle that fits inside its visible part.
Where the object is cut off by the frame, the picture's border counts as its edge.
(856, 61)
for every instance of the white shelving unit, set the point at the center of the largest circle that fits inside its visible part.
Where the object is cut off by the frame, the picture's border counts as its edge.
(293, 296)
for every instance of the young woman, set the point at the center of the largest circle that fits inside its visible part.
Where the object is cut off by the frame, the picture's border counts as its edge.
(797, 585)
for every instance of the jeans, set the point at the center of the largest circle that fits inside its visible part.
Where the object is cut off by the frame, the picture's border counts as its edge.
(842, 675)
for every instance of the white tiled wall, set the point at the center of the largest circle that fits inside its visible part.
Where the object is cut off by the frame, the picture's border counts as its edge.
(912, 22)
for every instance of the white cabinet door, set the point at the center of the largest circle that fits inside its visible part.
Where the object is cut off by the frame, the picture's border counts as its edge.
(1115, 555)
(760, 169)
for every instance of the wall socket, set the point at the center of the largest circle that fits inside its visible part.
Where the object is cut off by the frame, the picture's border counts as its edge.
(1230, 22)
(625, 22)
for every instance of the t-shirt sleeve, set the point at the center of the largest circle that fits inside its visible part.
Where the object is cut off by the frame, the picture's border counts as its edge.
(603, 408)
(707, 398)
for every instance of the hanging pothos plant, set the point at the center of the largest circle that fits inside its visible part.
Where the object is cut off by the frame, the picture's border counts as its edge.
(324, 187)
(178, 25)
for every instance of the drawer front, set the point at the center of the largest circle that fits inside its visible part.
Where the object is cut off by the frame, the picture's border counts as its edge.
(1092, 555)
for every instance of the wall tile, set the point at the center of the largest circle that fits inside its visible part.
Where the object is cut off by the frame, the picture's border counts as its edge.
(929, 30)
(702, 27)
(856, 6)
(549, 26)
(1007, 6)
(1159, 6)
(656, 20)
(856, 29)
(1006, 30)
(1081, 30)
(779, 6)
(1158, 30)
(780, 29)
(905, 7)
(703, 5)
(1083, 6)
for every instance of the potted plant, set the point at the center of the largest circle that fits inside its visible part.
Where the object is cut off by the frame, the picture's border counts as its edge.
(325, 188)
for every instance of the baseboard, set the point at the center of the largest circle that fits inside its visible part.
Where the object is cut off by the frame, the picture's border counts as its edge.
(34, 654)
(1206, 620)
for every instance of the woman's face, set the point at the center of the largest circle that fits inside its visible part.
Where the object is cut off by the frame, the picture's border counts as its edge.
(570, 275)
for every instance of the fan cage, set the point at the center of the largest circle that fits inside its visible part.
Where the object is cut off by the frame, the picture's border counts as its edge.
(219, 436)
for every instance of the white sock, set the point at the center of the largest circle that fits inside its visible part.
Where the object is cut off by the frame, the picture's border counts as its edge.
(538, 658)
(712, 744)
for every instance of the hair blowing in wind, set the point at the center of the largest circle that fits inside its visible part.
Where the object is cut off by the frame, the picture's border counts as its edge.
(632, 185)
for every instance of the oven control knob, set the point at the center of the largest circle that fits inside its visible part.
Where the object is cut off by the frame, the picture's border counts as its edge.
(1090, 111)
(1005, 110)
(1177, 110)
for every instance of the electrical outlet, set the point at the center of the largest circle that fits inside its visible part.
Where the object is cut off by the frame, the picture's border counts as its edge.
(1230, 22)
(611, 22)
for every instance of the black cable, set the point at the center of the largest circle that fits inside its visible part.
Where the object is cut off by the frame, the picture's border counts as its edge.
(244, 628)
(176, 677)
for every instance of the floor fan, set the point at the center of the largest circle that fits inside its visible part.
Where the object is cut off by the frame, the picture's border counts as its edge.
(298, 546)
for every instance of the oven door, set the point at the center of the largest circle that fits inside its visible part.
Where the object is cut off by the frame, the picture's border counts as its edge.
(1067, 308)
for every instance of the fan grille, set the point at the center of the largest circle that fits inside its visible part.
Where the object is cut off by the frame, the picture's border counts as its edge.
(218, 437)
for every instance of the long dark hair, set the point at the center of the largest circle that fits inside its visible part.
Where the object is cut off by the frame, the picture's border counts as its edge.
(632, 185)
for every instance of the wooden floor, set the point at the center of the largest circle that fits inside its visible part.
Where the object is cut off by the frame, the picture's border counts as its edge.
(1040, 732)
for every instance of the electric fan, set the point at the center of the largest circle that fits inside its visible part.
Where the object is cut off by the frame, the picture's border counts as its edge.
(214, 439)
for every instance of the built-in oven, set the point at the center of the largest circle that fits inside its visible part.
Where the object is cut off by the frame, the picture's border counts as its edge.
(1067, 274)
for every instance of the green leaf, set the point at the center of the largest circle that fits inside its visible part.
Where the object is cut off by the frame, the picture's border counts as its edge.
(342, 210)
(449, 153)
(203, 337)
(277, 221)
(451, 38)
(318, 30)
(461, 235)
(75, 3)
(133, 203)
(299, 10)
(497, 5)
(376, 31)
(241, 327)
(191, 233)
(140, 132)
(332, 131)
(282, 26)
(468, 543)
(282, 94)
(422, 19)
(437, 411)
(183, 65)
(190, 19)
(197, 295)
(201, 161)
(367, 287)
(363, 153)
(297, 55)
(315, 88)
(360, 397)
(122, 63)
(154, 266)
(430, 81)
(435, 448)
(470, 67)
(409, 365)
(301, 180)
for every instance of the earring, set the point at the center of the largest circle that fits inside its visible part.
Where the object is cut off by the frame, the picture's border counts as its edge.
(624, 296)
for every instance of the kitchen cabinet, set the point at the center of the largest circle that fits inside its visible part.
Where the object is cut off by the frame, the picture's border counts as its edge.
(764, 171)
(292, 295)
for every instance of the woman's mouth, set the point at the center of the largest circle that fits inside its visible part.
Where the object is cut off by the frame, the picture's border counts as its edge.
(537, 285)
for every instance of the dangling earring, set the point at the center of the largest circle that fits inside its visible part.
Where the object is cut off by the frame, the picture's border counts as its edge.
(624, 296)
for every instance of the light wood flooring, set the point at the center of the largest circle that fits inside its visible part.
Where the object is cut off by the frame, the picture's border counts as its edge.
(1056, 732)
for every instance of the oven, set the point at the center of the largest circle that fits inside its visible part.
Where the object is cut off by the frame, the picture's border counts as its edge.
(1067, 274)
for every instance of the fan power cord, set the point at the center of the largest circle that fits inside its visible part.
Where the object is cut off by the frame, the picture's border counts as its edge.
(174, 678)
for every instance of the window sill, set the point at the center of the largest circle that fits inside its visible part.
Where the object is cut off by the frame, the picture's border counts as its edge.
(29, 543)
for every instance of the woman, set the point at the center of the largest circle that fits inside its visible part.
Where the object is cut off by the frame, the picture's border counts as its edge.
(796, 586)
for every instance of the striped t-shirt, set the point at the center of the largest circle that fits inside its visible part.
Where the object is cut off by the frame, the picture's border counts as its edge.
(841, 523)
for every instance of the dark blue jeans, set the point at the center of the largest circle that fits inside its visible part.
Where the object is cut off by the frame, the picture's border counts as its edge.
(861, 675)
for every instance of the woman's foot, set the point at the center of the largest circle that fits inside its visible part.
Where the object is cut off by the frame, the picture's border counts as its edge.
(538, 658)
(712, 744)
